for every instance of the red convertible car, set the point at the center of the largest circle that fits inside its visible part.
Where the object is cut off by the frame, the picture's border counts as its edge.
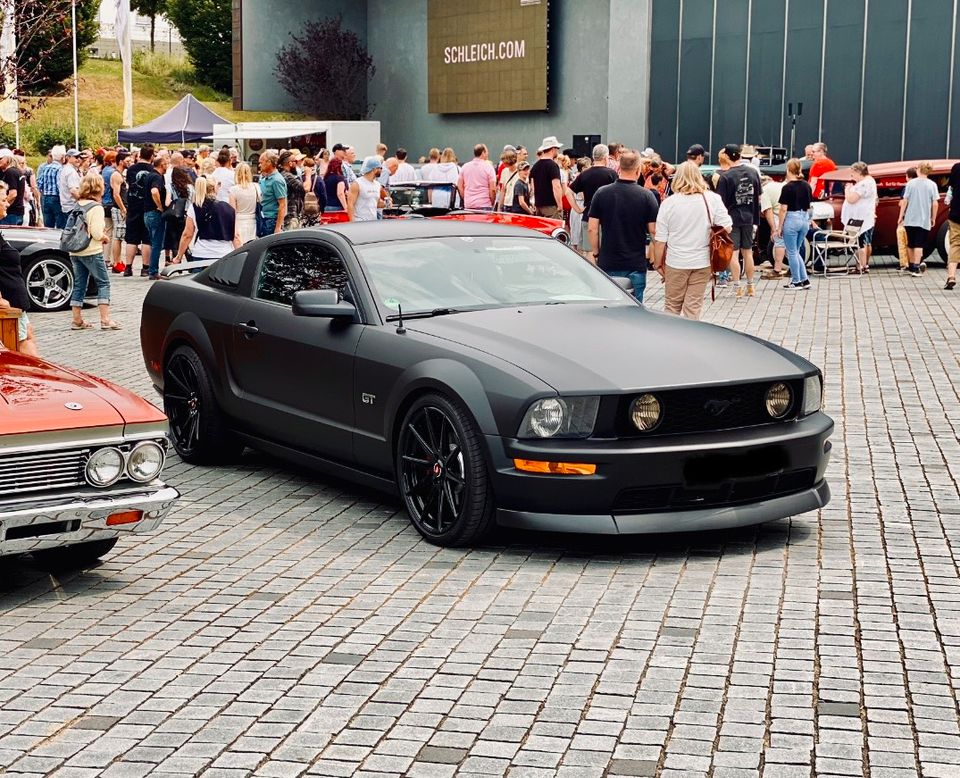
(80, 463)
(433, 200)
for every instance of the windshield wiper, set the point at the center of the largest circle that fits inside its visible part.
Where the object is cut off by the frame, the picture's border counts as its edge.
(424, 314)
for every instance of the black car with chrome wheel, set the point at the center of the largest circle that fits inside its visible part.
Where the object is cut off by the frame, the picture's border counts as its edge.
(47, 269)
(487, 375)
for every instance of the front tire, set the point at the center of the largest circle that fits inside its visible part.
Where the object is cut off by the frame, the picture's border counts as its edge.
(442, 473)
(75, 556)
(942, 248)
(197, 425)
(49, 280)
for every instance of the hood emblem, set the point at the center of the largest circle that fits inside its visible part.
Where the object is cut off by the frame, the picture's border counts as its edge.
(73, 406)
(719, 407)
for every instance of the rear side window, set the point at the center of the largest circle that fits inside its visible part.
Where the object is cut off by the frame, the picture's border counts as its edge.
(292, 267)
(226, 272)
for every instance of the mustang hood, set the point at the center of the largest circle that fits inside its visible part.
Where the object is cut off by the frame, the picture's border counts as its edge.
(34, 396)
(590, 348)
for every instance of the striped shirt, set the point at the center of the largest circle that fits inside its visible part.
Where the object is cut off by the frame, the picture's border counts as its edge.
(47, 176)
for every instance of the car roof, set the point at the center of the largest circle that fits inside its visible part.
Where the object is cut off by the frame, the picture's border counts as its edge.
(359, 233)
(891, 168)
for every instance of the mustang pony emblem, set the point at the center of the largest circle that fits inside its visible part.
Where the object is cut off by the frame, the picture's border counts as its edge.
(719, 407)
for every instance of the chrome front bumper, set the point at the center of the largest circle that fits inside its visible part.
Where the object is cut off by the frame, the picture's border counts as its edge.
(35, 523)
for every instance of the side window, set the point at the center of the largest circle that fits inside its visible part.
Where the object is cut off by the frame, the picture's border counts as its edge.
(226, 272)
(291, 267)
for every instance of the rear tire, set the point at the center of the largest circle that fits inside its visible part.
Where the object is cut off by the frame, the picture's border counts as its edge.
(49, 280)
(442, 473)
(942, 248)
(72, 557)
(197, 425)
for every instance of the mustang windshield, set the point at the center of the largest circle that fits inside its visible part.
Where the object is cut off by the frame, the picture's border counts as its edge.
(464, 273)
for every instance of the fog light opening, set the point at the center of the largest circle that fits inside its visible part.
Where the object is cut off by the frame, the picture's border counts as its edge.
(124, 517)
(554, 468)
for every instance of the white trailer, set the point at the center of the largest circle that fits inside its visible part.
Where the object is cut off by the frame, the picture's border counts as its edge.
(253, 138)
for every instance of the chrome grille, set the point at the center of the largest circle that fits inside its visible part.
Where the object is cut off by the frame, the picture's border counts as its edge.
(42, 471)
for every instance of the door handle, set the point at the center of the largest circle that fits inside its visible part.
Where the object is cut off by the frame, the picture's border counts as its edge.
(248, 328)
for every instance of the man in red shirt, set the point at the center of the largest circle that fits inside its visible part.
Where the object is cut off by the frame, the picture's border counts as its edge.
(821, 164)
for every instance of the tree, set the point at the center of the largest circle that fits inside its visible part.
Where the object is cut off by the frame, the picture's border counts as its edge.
(44, 41)
(205, 27)
(338, 65)
(153, 9)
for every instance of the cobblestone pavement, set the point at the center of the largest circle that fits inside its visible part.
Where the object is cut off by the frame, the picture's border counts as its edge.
(282, 623)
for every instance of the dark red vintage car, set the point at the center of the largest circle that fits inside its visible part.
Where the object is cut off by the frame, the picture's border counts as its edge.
(80, 462)
(891, 178)
(432, 200)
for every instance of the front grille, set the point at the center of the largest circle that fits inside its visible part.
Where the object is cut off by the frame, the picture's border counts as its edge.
(733, 491)
(708, 409)
(41, 471)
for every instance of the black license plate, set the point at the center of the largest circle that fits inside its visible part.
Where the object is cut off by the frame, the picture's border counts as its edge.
(716, 468)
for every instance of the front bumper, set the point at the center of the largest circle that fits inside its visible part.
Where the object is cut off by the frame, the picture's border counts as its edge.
(34, 523)
(668, 484)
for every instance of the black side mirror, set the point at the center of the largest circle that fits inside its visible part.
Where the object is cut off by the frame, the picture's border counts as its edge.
(323, 304)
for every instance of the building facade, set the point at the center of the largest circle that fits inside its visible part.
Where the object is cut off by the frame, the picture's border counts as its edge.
(876, 78)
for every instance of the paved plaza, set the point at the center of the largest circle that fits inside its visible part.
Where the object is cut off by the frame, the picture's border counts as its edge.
(282, 623)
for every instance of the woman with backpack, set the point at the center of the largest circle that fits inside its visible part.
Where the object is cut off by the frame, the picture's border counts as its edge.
(88, 260)
(211, 225)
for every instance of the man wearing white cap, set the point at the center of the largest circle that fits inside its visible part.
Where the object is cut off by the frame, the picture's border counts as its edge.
(364, 196)
(546, 186)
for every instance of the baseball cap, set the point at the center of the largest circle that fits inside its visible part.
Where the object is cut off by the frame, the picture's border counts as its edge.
(338, 147)
(370, 163)
(696, 150)
(72, 153)
(6, 154)
(732, 150)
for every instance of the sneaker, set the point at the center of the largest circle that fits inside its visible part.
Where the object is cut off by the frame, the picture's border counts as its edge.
(797, 287)
(153, 277)
(766, 264)
(750, 291)
(144, 272)
(923, 267)
(128, 272)
(914, 270)
(721, 281)
(739, 291)
(805, 284)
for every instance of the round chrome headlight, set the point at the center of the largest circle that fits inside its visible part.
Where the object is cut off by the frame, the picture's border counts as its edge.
(561, 235)
(145, 462)
(104, 467)
(645, 412)
(778, 400)
(546, 417)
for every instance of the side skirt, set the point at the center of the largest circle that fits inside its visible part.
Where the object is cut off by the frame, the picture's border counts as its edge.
(327, 466)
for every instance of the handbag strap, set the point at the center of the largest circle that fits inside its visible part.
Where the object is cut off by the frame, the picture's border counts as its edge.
(707, 206)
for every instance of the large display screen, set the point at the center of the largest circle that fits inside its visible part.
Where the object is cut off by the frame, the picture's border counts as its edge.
(486, 55)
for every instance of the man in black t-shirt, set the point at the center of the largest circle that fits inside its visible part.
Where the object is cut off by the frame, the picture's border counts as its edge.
(12, 176)
(588, 182)
(953, 227)
(153, 206)
(739, 186)
(546, 187)
(136, 230)
(627, 213)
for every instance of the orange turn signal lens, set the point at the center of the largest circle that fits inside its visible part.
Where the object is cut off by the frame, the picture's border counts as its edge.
(124, 517)
(554, 468)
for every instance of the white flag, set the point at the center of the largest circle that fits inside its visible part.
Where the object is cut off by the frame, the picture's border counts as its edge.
(8, 61)
(122, 29)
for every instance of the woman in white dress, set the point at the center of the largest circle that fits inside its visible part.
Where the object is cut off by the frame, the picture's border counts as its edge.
(244, 197)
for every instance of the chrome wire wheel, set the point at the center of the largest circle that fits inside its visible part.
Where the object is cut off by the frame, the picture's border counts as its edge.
(182, 402)
(433, 479)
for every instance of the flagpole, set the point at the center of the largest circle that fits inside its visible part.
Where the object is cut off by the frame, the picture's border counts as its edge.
(76, 88)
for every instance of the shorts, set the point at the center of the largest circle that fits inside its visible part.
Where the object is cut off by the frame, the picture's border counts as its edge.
(742, 236)
(953, 241)
(108, 226)
(917, 237)
(585, 246)
(136, 231)
(23, 325)
(119, 225)
(865, 238)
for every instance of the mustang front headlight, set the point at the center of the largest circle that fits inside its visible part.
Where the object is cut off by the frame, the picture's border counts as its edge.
(812, 394)
(778, 400)
(560, 417)
(105, 466)
(145, 461)
(646, 412)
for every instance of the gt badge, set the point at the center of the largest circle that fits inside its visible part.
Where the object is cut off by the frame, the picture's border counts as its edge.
(367, 399)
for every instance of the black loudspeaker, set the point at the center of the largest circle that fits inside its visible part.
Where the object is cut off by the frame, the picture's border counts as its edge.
(583, 145)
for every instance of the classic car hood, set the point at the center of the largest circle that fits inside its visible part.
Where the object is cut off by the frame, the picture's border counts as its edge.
(34, 395)
(589, 347)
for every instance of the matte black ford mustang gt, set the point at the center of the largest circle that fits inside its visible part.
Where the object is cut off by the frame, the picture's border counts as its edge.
(488, 374)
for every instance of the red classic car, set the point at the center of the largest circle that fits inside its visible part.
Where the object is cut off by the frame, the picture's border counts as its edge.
(891, 178)
(433, 200)
(80, 462)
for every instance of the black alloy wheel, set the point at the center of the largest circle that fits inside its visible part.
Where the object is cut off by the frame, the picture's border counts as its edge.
(442, 474)
(196, 423)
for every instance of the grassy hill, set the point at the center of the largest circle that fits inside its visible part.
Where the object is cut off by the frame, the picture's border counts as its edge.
(157, 86)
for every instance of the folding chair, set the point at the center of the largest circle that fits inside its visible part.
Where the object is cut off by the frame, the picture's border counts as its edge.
(842, 243)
